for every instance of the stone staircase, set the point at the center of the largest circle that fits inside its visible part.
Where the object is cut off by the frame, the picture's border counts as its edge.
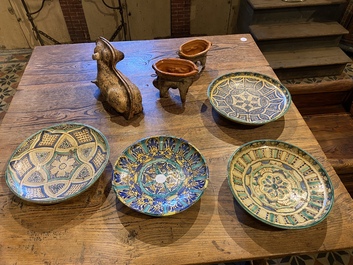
(299, 38)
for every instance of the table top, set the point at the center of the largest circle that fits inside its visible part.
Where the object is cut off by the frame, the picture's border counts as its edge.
(95, 227)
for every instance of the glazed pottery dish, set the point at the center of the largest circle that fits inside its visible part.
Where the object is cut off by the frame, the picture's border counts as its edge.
(175, 68)
(249, 98)
(160, 175)
(174, 73)
(194, 48)
(280, 184)
(57, 163)
(196, 51)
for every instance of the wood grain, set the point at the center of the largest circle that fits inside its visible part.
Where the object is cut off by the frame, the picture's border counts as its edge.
(310, 29)
(258, 4)
(95, 228)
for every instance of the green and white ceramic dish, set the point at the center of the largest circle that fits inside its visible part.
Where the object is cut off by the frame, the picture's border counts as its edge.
(57, 163)
(249, 98)
(160, 175)
(280, 184)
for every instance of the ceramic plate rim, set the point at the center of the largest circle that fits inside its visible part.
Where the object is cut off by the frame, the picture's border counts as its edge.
(277, 83)
(54, 201)
(265, 141)
(160, 136)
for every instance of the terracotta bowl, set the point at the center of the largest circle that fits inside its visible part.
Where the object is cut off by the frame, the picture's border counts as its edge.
(175, 67)
(194, 48)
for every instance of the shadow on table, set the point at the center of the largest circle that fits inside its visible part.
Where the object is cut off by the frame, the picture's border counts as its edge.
(162, 231)
(236, 133)
(252, 234)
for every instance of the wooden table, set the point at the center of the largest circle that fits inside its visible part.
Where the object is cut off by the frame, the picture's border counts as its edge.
(95, 228)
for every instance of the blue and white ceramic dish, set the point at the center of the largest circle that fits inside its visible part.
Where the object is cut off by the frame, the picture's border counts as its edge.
(280, 184)
(57, 163)
(249, 98)
(160, 175)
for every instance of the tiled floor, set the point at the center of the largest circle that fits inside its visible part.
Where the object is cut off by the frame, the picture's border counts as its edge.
(344, 257)
(12, 66)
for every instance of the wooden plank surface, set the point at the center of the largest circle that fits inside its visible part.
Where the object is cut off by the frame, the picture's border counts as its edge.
(344, 84)
(307, 62)
(263, 32)
(334, 131)
(95, 228)
(270, 4)
(306, 57)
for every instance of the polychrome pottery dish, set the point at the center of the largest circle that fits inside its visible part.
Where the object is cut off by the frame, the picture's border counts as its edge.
(249, 98)
(160, 175)
(280, 184)
(57, 163)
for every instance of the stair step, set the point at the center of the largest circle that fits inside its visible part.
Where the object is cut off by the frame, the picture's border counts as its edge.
(271, 37)
(278, 11)
(321, 94)
(296, 30)
(298, 14)
(306, 57)
(270, 4)
(292, 14)
(343, 83)
(307, 62)
(299, 43)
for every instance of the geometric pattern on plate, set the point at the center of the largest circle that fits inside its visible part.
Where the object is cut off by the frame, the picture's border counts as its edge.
(280, 184)
(160, 175)
(57, 163)
(249, 98)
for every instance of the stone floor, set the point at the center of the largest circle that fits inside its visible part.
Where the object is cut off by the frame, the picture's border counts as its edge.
(12, 66)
